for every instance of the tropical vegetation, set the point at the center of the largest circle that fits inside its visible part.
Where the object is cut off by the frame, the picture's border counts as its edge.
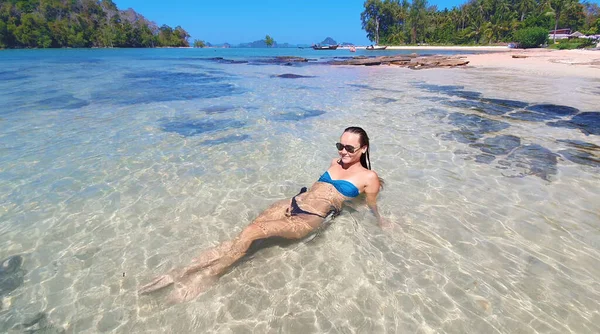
(396, 22)
(531, 37)
(80, 23)
(576, 43)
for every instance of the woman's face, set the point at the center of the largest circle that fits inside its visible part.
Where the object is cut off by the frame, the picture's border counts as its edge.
(351, 139)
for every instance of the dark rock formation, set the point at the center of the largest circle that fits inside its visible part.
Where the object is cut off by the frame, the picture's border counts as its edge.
(290, 59)
(412, 61)
(581, 152)
(39, 323)
(227, 61)
(534, 160)
(194, 127)
(217, 109)
(587, 122)
(499, 145)
(299, 115)
(553, 110)
(11, 274)
(291, 76)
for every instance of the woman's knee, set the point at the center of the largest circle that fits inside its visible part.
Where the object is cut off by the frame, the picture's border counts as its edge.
(252, 232)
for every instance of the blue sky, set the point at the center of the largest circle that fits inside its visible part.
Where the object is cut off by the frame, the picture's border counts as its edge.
(239, 21)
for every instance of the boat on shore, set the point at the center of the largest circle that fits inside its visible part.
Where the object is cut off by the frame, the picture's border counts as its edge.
(325, 47)
(376, 47)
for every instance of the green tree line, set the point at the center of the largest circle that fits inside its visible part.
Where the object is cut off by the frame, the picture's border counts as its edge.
(80, 23)
(398, 22)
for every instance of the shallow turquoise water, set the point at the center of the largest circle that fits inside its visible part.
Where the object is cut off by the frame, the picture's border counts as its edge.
(116, 165)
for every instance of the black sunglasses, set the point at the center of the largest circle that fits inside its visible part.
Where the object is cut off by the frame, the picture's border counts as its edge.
(349, 149)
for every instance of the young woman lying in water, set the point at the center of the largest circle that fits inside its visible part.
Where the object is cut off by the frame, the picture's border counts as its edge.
(347, 177)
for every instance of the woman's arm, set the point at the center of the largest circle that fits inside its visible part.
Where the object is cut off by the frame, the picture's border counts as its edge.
(372, 190)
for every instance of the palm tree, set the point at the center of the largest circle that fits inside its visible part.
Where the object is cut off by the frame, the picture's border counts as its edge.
(525, 6)
(557, 7)
(269, 41)
(417, 17)
(370, 18)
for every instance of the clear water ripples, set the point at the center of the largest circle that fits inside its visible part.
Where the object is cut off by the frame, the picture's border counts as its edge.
(117, 165)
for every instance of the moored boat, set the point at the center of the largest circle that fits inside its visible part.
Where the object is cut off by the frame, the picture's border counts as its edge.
(325, 47)
(376, 47)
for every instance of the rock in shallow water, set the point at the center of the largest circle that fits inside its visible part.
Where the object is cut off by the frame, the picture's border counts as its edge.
(11, 274)
(485, 158)
(383, 100)
(587, 122)
(217, 109)
(524, 115)
(581, 157)
(499, 145)
(476, 124)
(39, 323)
(553, 110)
(291, 76)
(302, 114)
(486, 108)
(579, 144)
(410, 61)
(194, 127)
(506, 103)
(534, 160)
(11, 264)
(581, 152)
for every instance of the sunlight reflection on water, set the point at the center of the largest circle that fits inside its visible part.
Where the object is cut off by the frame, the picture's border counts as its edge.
(113, 180)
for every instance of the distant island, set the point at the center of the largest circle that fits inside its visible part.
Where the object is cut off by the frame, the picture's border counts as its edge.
(81, 24)
(263, 44)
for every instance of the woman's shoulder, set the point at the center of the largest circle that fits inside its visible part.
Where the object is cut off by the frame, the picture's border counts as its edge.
(370, 175)
(372, 181)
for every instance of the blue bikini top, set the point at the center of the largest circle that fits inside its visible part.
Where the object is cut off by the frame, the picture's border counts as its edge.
(344, 187)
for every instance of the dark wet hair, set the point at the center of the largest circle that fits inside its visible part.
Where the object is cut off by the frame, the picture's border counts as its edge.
(363, 140)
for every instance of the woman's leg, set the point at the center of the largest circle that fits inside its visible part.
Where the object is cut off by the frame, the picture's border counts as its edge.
(188, 286)
(295, 227)
(274, 221)
(276, 211)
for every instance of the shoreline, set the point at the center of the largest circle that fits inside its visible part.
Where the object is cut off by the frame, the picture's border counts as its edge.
(432, 47)
(452, 48)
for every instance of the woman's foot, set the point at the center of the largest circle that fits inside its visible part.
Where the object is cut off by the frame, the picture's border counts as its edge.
(190, 288)
(157, 284)
(208, 258)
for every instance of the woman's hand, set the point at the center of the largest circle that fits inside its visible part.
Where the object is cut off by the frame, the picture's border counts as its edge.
(372, 190)
(386, 224)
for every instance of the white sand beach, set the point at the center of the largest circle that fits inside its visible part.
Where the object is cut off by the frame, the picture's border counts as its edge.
(556, 63)
(450, 48)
